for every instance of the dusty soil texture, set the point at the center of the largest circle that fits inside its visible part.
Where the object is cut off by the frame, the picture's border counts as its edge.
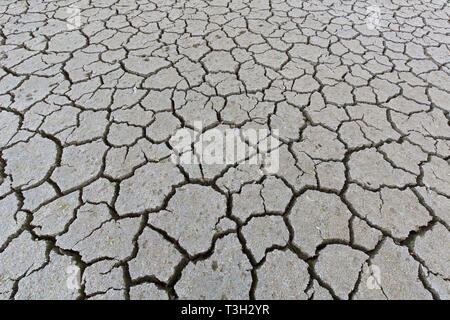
(92, 205)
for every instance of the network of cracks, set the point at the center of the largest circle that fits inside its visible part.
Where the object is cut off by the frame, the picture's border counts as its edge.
(359, 207)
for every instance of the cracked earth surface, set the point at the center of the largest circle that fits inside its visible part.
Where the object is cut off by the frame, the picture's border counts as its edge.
(86, 120)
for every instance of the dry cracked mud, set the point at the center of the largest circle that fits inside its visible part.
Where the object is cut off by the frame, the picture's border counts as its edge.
(92, 207)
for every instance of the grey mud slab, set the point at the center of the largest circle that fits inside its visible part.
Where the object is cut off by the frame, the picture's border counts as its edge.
(355, 93)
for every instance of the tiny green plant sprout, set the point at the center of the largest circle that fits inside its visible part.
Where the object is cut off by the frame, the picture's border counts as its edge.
(110, 240)
(63, 207)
